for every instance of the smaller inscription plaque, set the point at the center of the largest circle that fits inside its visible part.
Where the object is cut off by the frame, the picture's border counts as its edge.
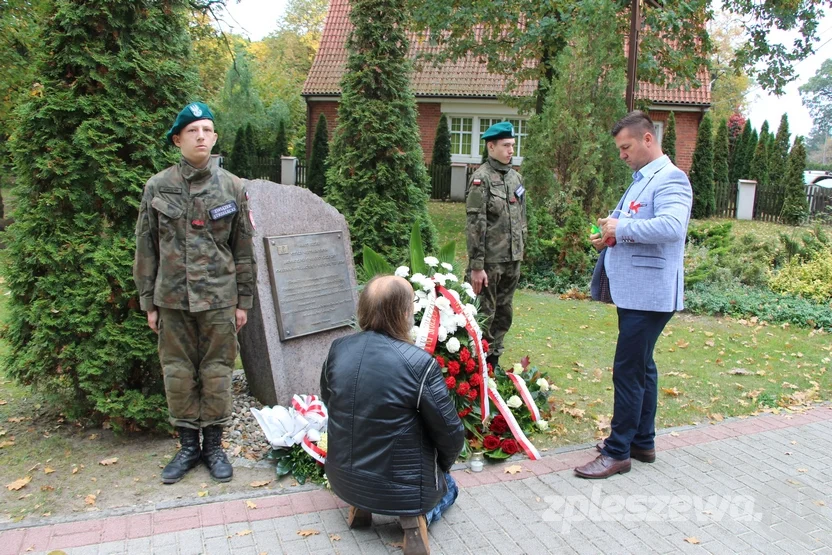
(310, 283)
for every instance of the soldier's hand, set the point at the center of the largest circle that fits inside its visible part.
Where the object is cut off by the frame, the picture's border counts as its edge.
(153, 320)
(479, 279)
(242, 317)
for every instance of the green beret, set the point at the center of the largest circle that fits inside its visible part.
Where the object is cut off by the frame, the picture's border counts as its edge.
(189, 114)
(502, 130)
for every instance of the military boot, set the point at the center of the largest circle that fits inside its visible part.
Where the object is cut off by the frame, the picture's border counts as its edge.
(187, 457)
(213, 455)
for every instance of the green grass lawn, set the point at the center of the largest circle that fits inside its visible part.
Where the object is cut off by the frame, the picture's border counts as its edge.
(709, 367)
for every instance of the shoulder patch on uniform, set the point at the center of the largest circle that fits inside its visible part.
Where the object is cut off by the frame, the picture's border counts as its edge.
(476, 182)
(222, 211)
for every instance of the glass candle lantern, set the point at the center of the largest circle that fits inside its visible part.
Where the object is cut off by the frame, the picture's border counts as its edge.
(477, 461)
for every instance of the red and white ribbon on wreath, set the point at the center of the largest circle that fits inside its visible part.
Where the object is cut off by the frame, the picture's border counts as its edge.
(525, 394)
(313, 450)
(531, 450)
(428, 336)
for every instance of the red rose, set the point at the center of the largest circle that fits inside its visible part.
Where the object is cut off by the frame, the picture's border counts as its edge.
(491, 443)
(484, 346)
(490, 370)
(509, 446)
(453, 368)
(498, 425)
(450, 381)
(440, 361)
(464, 412)
(471, 365)
(464, 355)
(473, 394)
(463, 388)
(475, 380)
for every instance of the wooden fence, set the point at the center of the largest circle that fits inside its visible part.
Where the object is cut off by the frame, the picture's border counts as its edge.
(768, 202)
(440, 181)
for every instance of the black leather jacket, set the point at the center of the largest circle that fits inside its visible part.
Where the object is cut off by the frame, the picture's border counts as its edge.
(393, 429)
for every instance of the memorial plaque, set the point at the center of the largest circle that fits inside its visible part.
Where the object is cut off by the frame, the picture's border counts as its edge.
(310, 283)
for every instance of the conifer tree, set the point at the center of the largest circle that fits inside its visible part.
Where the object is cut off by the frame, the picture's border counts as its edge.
(669, 138)
(740, 157)
(281, 148)
(238, 159)
(318, 162)
(442, 143)
(702, 170)
(721, 171)
(779, 154)
(250, 149)
(112, 77)
(758, 170)
(795, 206)
(377, 176)
(735, 127)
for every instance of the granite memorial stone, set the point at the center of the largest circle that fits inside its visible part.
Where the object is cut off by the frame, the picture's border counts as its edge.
(306, 291)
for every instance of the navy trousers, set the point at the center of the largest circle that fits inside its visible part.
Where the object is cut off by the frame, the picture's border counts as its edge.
(635, 379)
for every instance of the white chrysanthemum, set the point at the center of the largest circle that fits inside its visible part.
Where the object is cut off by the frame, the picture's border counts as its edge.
(447, 320)
(432, 261)
(542, 425)
(460, 320)
(543, 384)
(417, 278)
(514, 402)
(451, 277)
(454, 294)
(442, 334)
(492, 384)
(402, 271)
(517, 368)
(471, 293)
(470, 309)
(452, 345)
(421, 295)
(440, 279)
(444, 305)
(447, 266)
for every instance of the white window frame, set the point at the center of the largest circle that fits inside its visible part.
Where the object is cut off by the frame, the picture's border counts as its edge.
(461, 133)
(659, 125)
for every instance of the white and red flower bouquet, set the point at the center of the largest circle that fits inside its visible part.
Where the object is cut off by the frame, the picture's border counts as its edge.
(446, 325)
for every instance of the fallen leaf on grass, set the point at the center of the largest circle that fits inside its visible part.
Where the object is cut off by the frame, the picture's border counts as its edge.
(672, 391)
(682, 344)
(90, 499)
(243, 533)
(47, 488)
(513, 469)
(202, 493)
(260, 484)
(251, 504)
(108, 462)
(18, 484)
(6, 443)
(716, 417)
(3, 402)
(335, 537)
(48, 470)
(693, 539)
(307, 533)
(16, 419)
(740, 372)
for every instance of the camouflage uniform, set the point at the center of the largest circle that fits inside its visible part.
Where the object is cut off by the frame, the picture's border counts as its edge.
(496, 231)
(195, 262)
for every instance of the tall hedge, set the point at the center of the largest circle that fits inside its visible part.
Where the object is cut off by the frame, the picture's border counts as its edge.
(316, 174)
(740, 157)
(721, 149)
(377, 175)
(702, 170)
(239, 161)
(779, 155)
(669, 138)
(758, 171)
(442, 143)
(736, 124)
(795, 206)
(113, 76)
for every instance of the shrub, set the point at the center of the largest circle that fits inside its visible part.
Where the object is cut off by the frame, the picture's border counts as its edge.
(810, 280)
(745, 302)
(702, 171)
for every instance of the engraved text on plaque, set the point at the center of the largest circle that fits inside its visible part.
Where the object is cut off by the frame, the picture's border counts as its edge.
(310, 283)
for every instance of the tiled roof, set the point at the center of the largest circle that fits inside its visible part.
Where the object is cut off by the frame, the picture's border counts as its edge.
(465, 78)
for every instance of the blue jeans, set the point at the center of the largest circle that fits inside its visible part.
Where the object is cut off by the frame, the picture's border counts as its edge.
(445, 503)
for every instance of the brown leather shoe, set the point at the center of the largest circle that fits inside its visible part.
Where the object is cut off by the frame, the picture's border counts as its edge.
(603, 467)
(415, 530)
(643, 455)
(359, 518)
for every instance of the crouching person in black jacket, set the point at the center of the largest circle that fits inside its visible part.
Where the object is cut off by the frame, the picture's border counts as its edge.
(393, 430)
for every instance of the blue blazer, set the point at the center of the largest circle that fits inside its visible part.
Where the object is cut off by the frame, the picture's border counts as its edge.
(646, 266)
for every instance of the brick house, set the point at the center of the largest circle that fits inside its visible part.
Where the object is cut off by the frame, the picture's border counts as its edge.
(467, 94)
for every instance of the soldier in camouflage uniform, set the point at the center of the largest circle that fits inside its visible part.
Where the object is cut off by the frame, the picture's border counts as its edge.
(496, 230)
(195, 271)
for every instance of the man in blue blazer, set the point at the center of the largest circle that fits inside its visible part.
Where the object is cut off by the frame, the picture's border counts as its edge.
(645, 246)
